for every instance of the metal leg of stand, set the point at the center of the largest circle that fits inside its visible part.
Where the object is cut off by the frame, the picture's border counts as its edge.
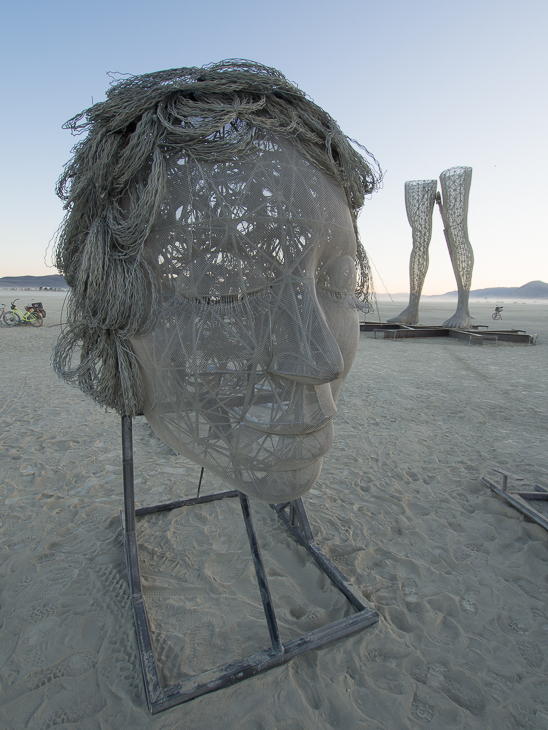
(127, 466)
(296, 521)
(144, 638)
(266, 598)
(200, 482)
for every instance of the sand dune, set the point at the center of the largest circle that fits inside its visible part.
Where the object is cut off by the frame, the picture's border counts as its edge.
(459, 578)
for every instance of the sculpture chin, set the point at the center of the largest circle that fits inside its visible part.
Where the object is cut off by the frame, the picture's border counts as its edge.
(279, 486)
(267, 466)
(287, 471)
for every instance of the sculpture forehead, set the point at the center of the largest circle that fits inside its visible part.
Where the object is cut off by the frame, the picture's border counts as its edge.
(271, 205)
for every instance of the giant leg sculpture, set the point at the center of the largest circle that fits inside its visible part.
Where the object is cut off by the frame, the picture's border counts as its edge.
(420, 196)
(455, 186)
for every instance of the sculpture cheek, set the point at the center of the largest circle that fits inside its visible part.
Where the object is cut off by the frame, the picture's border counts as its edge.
(340, 276)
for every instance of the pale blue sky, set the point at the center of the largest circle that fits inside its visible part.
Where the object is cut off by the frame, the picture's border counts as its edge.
(424, 85)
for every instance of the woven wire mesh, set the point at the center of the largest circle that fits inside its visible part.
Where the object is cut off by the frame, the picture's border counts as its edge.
(257, 325)
(420, 197)
(455, 186)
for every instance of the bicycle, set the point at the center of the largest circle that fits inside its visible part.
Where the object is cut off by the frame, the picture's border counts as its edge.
(497, 313)
(15, 316)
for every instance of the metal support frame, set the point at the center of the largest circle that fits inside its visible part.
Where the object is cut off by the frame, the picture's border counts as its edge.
(293, 515)
(520, 499)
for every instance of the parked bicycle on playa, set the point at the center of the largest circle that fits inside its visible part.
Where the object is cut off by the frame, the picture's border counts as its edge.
(497, 313)
(16, 317)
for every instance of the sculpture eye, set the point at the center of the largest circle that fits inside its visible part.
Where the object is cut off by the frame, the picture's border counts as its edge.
(220, 276)
(340, 276)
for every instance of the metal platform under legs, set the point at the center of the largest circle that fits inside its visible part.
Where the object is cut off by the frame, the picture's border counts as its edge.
(473, 335)
(293, 515)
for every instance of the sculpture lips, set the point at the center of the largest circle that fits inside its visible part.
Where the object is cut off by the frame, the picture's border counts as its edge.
(258, 451)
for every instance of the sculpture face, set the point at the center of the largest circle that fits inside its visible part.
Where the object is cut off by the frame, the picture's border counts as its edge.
(256, 329)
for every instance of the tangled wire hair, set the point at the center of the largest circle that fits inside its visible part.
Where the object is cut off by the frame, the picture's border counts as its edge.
(115, 182)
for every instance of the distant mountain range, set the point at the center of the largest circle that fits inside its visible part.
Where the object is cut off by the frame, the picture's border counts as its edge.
(54, 281)
(532, 290)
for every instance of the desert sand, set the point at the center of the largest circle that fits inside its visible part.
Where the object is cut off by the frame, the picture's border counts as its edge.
(459, 578)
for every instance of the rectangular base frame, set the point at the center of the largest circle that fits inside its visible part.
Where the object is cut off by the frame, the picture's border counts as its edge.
(520, 499)
(294, 517)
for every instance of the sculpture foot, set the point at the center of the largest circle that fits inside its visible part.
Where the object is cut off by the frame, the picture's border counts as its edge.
(408, 316)
(459, 321)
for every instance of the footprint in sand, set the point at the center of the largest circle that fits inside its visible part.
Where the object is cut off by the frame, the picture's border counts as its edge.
(42, 612)
(79, 712)
(76, 665)
(497, 691)
(472, 553)
(35, 658)
(422, 710)
(525, 716)
(435, 676)
(463, 689)
(39, 631)
(468, 601)
(410, 591)
(517, 626)
(531, 653)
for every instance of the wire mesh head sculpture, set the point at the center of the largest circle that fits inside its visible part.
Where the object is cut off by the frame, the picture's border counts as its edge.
(217, 276)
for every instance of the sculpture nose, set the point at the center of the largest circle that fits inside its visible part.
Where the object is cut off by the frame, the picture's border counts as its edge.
(302, 345)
